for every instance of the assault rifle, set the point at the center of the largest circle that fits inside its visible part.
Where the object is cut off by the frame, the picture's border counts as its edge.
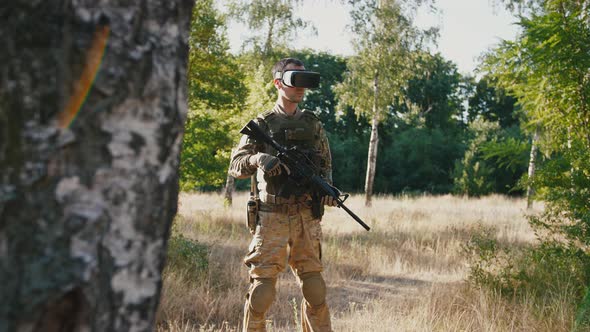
(302, 169)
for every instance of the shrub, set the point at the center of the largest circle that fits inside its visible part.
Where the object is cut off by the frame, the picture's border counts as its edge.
(547, 273)
(187, 255)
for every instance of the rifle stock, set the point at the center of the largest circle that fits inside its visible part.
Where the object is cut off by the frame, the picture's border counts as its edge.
(300, 167)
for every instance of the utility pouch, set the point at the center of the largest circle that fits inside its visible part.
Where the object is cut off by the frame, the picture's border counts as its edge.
(317, 208)
(252, 206)
(252, 219)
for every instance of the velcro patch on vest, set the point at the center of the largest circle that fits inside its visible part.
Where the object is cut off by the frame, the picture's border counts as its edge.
(297, 134)
(293, 135)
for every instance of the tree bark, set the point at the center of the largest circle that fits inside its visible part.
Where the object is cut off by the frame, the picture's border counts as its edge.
(92, 108)
(229, 190)
(373, 143)
(530, 191)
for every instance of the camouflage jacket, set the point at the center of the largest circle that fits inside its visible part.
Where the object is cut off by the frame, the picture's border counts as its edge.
(280, 185)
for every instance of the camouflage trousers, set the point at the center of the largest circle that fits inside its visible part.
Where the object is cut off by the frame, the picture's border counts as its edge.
(289, 236)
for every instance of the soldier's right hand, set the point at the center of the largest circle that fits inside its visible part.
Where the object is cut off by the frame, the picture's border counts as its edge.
(269, 164)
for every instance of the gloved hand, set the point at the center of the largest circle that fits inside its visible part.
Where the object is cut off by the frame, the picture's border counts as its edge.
(269, 164)
(329, 200)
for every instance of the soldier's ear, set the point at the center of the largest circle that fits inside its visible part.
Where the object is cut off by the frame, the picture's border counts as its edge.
(277, 83)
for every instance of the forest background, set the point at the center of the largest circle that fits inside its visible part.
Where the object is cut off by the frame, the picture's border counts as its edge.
(439, 131)
(521, 127)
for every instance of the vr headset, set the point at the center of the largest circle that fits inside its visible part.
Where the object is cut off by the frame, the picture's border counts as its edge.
(299, 78)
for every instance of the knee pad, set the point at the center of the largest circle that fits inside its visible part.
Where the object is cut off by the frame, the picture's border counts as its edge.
(313, 288)
(262, 293)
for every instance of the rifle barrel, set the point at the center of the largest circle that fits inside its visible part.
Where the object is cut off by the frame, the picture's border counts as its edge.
(354, 216)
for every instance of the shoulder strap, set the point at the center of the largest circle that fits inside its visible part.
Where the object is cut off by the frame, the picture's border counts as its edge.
(310, 114)
(266, 115)
(253, 188)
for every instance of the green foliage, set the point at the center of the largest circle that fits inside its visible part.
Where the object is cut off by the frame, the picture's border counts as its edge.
(473, 174)
(495, 161)
(262, 93)
(566, 177)
(215, 90)
(213, 77)
(583, 317)
(509, 153)
(548, 275)
(435, 89)
(546, 68)
(349, 157)
(187, 255)
(421, 104)
(497, 155)
(205, 154)
(418, 160)
(493, 104)
(385, 41)
(323, 100)
(273, 22)
(543, 272)
(385, 38)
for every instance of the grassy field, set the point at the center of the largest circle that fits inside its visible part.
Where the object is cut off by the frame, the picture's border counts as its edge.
(407, 274)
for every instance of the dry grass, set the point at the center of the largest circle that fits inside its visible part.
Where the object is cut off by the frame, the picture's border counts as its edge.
(406, 274)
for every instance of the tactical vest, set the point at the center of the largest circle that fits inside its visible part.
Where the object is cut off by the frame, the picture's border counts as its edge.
(302, 133)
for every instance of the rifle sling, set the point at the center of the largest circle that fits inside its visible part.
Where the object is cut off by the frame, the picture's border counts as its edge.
(253, 189)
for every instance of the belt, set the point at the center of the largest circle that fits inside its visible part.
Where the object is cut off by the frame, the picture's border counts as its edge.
(273, 199)
(289, 209)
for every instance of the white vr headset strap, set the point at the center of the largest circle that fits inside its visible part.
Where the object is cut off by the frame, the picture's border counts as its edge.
(285, 77)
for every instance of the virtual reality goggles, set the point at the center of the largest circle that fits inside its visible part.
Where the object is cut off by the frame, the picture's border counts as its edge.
(299, 78)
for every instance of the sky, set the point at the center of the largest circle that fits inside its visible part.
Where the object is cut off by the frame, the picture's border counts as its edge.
(467, 29)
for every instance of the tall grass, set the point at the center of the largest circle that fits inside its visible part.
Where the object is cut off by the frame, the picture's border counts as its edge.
(407, 274)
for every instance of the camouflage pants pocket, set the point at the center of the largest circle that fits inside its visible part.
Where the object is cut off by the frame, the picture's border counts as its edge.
(267, 253)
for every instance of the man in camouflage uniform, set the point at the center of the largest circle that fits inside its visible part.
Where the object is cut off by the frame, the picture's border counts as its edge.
(286, 230)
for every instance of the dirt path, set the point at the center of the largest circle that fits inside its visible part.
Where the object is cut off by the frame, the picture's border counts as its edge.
(390, 289)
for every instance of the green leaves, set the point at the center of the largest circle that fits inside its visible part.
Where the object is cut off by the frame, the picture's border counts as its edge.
(434, 88)
(509, 153)
(272, 21)
(213, 75)
(187, 255)
(384, 40)
(420, 107)
(206, 151)
(493, 103)
(494, 162)
(548, 69)
(215, 91)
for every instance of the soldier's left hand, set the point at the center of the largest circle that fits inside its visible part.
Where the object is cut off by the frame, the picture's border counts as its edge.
(329, 200)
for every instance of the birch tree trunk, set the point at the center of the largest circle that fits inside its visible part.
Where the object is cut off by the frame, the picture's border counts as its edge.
(530, 190)
(92, 107)
(229, 190)
(373, 143)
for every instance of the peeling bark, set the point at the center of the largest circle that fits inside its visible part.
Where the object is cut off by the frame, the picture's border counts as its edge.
(92, 108)
(228, 194)
(373, 143)
(530, 190)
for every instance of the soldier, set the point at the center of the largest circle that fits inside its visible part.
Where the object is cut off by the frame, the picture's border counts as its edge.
(286, 230)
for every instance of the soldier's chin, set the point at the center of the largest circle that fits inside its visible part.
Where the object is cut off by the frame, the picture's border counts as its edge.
(296, 99)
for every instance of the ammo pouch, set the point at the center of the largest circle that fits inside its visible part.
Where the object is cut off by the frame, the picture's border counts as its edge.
(317, 208)
(252, 210)
(253, 206)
